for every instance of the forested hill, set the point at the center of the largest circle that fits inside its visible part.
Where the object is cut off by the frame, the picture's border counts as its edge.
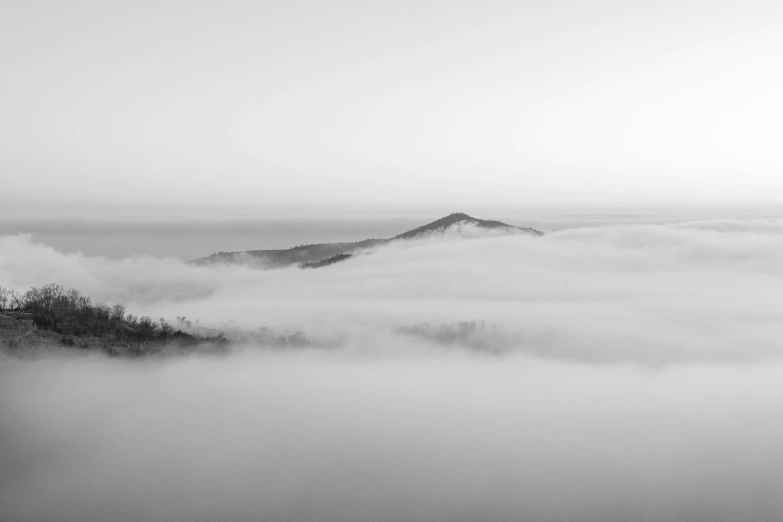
(53, 316)
(323, 254)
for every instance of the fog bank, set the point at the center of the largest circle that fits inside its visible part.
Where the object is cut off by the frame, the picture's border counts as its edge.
(623, 372)
(648, 294)
(311, 436)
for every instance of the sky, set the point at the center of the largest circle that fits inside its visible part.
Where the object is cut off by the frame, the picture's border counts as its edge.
(422, 103)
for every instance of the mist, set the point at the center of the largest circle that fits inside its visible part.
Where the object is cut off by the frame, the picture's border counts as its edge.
(314, 437)
(649, 294)
(624, 372)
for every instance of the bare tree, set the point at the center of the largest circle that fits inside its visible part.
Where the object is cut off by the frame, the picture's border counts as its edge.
(16, 300)
(165, 328)
(117, 313)
(147, 328)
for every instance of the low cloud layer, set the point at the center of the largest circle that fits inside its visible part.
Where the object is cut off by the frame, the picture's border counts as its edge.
(311, 436)
(634, 373)
(658, 294)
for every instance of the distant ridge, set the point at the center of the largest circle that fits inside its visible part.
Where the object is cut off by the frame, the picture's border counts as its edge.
(318, 255)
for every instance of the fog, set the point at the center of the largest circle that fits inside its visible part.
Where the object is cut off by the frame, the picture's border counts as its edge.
(626, 372)
(649, 294)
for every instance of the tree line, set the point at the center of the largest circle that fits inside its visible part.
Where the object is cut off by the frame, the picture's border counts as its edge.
(69, 312)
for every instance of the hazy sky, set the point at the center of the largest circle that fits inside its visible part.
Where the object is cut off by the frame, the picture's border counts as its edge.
(412, 102)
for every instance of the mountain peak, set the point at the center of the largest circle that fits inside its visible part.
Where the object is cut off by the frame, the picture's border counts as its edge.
(459, 217)
(323, 254)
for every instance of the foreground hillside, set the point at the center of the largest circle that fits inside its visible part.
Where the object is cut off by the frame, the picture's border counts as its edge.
(323, 254)
(52, 316)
